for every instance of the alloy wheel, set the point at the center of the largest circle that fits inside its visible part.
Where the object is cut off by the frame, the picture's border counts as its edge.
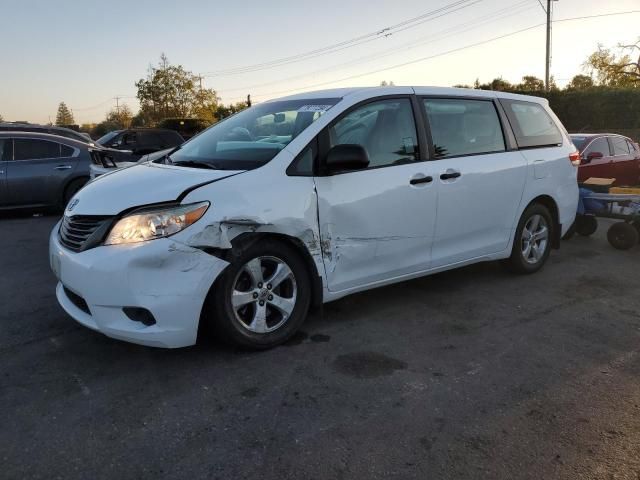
(264, 294)
(535, 239)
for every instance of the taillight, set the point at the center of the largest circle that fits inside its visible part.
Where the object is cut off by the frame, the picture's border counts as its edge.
(574, 158)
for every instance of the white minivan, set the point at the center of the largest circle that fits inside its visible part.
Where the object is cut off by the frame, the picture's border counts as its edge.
(306, 199)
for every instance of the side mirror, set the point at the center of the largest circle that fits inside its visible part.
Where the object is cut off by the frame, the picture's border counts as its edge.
(115, 145)
(347, 157)
(594, 155)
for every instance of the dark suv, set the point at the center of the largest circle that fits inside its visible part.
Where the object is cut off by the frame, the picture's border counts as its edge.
(141, 141)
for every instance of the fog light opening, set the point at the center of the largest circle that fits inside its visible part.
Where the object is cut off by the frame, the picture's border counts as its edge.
(141, 315)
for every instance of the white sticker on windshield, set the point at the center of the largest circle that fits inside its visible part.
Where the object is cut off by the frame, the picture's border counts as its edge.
(314, 108)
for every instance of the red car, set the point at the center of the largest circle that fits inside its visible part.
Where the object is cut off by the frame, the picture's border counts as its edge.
(607, 155)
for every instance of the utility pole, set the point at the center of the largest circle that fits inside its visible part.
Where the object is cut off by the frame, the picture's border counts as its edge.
(548, 56)
(117, 99)
(248, 100)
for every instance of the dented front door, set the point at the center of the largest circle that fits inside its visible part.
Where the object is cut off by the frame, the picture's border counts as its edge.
(375, 224)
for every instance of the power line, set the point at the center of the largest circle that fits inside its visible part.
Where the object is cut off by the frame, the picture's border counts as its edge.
(489, 18)
(411, 62)
(351, 77)
(595, 16)
(382, 33)
(95, 106)
(436, 36)
(542, 6)
(102, 104)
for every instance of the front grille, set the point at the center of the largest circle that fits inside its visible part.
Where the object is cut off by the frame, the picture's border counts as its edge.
(80, 232)
(77, 300)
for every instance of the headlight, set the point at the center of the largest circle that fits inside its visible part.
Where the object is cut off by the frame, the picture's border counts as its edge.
(151, 224)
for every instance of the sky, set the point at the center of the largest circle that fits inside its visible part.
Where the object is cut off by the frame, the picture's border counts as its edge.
(86, 52)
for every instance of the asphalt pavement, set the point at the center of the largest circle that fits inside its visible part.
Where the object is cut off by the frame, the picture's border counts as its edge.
(473, 373)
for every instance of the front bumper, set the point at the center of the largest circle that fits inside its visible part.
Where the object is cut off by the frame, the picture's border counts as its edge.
(169, 279)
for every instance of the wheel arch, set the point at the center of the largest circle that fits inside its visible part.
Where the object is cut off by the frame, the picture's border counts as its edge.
(551, 205)
(69, 182)
(245, 240)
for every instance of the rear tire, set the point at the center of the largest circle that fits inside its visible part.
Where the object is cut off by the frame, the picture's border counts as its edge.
(532, 241)
(586, 225)
(622, 236)
(262, 298)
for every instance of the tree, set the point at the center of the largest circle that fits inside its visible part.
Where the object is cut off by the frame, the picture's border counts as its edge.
(205, 105)
(498, 84)
(632, 68)
(1, 119)
(580, 82)
(226, 111)
(64, 115)
(171, 91)
(384, 83)
(120, 116)
(611, 70)
(531, 83)
(103, 128)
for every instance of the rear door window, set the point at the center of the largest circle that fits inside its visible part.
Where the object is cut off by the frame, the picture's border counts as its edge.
(532, 125)
(33, 149)
(464, 127)
(599, 145)
(619, 146)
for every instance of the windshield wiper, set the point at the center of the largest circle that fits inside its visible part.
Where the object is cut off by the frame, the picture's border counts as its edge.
(194, 163)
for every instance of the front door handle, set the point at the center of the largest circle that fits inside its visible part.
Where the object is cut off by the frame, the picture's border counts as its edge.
(418, 181)
(62, 167)
(450, 174)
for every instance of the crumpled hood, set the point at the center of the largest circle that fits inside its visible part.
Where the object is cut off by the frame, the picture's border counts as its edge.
(140, 185)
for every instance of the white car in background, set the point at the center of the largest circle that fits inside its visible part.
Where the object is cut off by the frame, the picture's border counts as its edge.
(309, 198)
(103, 163)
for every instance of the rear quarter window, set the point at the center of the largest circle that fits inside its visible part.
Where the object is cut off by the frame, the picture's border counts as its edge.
(532, 125)
(66, 151)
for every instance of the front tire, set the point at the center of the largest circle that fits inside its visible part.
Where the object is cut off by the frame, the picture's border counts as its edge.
(262, 298)
(532, 242)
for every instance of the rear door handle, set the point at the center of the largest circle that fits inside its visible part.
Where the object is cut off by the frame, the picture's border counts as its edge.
(449, 174)
(418, 181)
(62, 167)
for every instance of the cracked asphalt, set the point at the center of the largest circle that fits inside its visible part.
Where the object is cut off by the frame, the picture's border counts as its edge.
(473, 373)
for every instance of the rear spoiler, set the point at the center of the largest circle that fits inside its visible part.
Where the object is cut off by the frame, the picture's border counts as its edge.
(102, 158)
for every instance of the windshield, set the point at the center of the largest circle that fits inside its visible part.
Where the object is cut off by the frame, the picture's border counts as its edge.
(252, 137)
(105, 138)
